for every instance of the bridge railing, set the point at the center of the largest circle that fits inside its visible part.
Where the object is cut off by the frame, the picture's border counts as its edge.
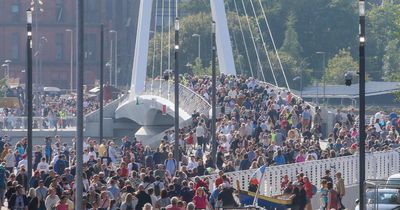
(189, 100)
(39, 123)
(378, 165)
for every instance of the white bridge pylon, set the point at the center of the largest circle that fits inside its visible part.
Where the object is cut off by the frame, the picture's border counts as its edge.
(224, 47)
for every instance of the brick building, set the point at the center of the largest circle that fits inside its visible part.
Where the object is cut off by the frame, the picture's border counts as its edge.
(53, 24)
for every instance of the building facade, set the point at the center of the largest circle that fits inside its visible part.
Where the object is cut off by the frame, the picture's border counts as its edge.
(54, 23)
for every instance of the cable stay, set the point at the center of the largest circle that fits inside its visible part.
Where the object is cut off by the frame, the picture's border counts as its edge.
(254, 43)
(273, 43)
(154, 46)
(244, 39)
(162, 43)
(263, 42)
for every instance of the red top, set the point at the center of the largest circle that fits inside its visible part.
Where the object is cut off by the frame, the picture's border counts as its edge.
(124, 172)
(200, 183)
(219, 181)
(200, 202)
(62, 206)
(189, 139)
(308, 189)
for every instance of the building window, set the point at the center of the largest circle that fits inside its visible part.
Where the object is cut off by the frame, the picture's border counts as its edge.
(59, 46)
(90, 47)
(15, 9)
(59, 10)
(15, 46)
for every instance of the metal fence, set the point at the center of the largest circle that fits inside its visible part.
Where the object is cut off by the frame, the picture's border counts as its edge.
(40, 123)
(378, 165)
(189, 100)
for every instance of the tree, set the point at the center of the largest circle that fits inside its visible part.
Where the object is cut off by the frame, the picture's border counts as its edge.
(383, 28)
(391, 60)
(341, 63)
(291, 43)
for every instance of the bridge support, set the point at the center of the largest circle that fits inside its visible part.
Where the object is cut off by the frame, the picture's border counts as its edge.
(225, 55)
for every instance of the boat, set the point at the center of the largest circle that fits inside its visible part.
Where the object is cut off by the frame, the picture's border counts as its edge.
(279, 202)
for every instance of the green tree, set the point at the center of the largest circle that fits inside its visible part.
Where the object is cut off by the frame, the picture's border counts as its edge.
(382, 29)
(391, 60)
(341, 63)
(291, 43)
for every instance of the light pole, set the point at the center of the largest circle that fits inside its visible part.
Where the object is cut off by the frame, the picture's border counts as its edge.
(79, 102)
(109, 65)
(214, 94)
(101, 96)
(36, 7)
(361, 7)
(324, 72)
(71, 81)
(115, 57)
(29, 91)
(6, 72)
(199, 44)
(176, 92)
(43, 40)
(301, 84)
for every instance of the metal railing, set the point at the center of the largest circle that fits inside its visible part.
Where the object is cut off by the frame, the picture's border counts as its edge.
(189, 100)
(39, 123)
(378, 165)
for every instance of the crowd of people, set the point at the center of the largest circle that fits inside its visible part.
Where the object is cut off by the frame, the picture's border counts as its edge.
(51, 111)
(257, 125)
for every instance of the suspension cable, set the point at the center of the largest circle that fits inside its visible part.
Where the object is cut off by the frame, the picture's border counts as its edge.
(169, 34)
(264, 45)
(162, 43)
(273, 43)
(154, 46)
(254, 43)
(244, 40)
(235, 42)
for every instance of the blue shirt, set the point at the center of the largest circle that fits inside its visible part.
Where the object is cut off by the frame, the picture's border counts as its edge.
(280, 160)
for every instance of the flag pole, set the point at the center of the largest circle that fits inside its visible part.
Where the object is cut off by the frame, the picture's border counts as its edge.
(255, 201)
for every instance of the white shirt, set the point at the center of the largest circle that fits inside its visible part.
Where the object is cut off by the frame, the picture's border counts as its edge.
(23, 162)
(43, 166)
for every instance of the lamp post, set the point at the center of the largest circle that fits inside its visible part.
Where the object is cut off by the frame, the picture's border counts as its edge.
(29, 91)
(214, 93)
(361, 7)
(109, 65)
(79, 102)
(71, 81)
(301, 84)
(7, 71)
(324, 72)
(115, 57)
(101, 96)
(36, 7)
(176, 92)
(199, 44)
(43, 40)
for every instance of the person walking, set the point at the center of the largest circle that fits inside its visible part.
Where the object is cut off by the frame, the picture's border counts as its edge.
(340, 189)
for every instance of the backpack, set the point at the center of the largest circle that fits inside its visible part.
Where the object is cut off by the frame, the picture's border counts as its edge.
(314, 189)
(157, 189)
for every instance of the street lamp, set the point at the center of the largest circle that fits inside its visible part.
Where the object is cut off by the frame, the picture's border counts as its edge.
(6, 70)
(301, 84)
(71, 81)
(109, 65)
(116, 57)
(362, 135)
(29, 92)
(324, 72)
(7, 65)
(199, 42)
(176, 92)
(43, 40)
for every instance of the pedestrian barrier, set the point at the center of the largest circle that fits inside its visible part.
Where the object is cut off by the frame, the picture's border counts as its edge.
(378, 165)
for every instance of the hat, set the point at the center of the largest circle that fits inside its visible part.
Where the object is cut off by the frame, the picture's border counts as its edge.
(327, 171)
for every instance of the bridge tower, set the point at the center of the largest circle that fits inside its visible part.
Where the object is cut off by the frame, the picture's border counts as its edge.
(224, 47)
